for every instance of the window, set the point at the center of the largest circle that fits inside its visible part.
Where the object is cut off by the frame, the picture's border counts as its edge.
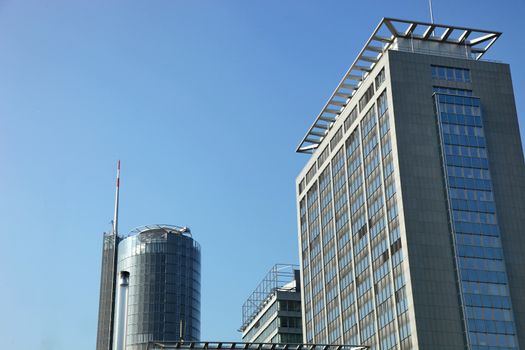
(380, 78)
(350, 119)
(366, 97)
(452, 91)
(323, 157)
(451, 74)
(337, 137)
(382, 105)
(311, 173)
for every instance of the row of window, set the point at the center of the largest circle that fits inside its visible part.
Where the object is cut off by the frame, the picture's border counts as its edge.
(491, 301)
(461, 119)
(451, 73)
(452, 91)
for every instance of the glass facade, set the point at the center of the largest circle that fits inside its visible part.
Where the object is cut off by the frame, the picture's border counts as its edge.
(482, 277)
(354, 288)
(164, 286)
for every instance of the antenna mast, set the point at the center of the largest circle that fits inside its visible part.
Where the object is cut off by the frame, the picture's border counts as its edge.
(115, 216)
(431, 11)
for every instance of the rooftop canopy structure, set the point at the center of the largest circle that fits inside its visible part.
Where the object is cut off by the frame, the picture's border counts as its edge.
(205, 345)
(396, 34)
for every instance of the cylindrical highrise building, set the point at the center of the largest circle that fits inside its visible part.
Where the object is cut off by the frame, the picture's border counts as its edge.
(157, 287)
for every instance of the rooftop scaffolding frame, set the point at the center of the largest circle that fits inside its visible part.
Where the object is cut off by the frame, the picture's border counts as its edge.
(276, 279)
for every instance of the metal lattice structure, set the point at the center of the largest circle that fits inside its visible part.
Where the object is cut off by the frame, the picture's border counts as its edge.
(476, 42)
(206, 345)
(164, 228)
(276, 279)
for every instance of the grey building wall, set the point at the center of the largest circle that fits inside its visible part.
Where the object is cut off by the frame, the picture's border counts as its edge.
(437, 311)
(508, 173)
(438, 316)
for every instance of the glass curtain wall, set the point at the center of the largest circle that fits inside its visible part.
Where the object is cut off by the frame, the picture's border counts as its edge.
(164, 287)
(476, 235)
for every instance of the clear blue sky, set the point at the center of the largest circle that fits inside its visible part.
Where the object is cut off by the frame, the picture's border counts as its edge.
(204, 102)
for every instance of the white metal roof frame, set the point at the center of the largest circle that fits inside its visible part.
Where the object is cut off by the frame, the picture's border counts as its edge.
(478, 40)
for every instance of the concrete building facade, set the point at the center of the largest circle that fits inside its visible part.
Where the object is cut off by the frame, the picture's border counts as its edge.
(410, 206)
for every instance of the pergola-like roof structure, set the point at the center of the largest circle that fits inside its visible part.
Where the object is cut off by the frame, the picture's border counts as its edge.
(477, 40)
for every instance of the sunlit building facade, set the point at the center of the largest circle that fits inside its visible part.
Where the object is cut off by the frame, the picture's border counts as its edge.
(410, 206)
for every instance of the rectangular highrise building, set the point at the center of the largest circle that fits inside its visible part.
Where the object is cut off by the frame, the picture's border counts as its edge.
(411, 206)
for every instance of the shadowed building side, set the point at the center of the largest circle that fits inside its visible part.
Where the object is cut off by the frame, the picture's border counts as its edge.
(107, 292)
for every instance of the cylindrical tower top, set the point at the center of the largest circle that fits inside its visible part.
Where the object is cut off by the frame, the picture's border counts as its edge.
(163, 262)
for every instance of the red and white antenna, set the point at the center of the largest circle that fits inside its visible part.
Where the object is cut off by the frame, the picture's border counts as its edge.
(115, 216)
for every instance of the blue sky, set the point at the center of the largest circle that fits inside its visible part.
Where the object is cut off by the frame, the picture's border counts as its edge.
(204, 102)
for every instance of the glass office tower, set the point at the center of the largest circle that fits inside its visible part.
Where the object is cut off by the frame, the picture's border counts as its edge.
(156, 288)
(410, 208)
